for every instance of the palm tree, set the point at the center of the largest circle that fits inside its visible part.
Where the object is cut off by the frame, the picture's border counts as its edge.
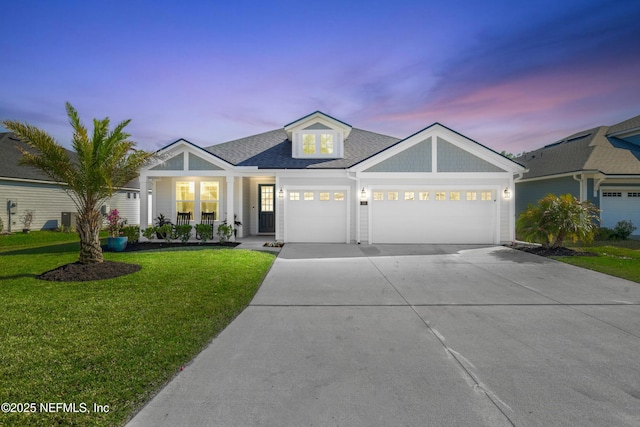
(558, 218)
(102, 163)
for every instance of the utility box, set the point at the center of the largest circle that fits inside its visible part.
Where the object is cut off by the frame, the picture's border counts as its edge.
(69, 220)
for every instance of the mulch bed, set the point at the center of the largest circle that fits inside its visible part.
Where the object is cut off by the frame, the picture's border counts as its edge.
(150, 246)
(77, 272)
(551, 252)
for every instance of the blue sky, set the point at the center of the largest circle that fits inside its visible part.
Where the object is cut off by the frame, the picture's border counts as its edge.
(512, 75)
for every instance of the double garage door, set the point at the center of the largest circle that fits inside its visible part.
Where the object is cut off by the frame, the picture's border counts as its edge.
(395, 216)
(428, 216)
(618, 205)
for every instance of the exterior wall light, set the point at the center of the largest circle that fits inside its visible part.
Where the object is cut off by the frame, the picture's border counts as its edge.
(507, 193)
(281, 193)
(363, 194)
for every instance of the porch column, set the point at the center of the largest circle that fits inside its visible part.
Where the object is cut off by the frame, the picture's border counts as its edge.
(144, 203)
(230, 191)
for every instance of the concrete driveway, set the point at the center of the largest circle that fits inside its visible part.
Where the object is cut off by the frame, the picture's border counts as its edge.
(393, 335)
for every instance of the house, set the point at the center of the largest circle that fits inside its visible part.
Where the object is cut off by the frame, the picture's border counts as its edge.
(601, 165)
(25, 188)
(319, 179)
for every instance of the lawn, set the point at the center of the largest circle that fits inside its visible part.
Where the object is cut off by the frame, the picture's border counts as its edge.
(617, 258)
(111, 342)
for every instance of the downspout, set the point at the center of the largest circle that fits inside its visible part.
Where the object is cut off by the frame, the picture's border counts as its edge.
(356, 178)
(582, 195)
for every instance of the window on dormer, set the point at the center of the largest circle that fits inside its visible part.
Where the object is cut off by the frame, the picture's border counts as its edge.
(326, 143)
(308, 143)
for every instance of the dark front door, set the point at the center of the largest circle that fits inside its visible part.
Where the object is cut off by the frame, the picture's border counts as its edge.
(267, 208)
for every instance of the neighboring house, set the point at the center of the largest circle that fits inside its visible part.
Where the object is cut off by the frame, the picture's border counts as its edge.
(600, 164)
(320, 180)
(29, 188)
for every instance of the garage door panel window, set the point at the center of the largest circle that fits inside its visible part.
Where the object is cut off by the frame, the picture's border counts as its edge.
(409, 195)
(392, 195)
(633, 194)
(325, 196)
(486, 196)
(294, 195)
(338, 197)
(424, 195)
(308, 196)
(472, 195)
(441, 195)
(454, 195)
(378, 195)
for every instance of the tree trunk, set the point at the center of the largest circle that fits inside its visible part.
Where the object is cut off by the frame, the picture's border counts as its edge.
(89, 223)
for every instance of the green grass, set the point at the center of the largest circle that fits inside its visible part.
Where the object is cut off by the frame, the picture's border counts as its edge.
(617, 258)
(112, 342)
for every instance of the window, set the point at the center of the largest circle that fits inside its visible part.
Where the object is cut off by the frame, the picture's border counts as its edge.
(326, 143)
(308, 196)
(267, 198)
(486, 196)
(338, 196)
(454, 195)
(409, 195)
(209, 197)
(378, 195)
(135, 195)
(308, 143)
(128, 195)
(633, 194)
(611, 194)
(294, 195)
(424, 195)
(441, 195)
(325, 196)
(185, 196)
(472, 195)
(393, 195)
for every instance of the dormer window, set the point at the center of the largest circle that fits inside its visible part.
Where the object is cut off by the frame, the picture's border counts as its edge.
(317, 136)
(317, 143)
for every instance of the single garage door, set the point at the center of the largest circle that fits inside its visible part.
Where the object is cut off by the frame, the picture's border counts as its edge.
(619, 205)
(316, 216)
(427, 216)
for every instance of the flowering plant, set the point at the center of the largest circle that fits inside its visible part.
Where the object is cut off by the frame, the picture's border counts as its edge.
(114, 222)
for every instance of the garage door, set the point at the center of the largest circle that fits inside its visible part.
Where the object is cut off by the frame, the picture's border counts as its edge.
(427, 216)
(316, 216)
(619, 205)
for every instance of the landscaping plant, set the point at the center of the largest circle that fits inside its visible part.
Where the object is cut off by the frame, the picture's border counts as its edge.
(183, 232)
(203, 232)
(225, 232)
(132, 232)
(27, 218)
(558, 218)
(104, 161)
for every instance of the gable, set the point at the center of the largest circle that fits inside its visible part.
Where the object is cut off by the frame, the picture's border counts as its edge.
(414, 159)
(454, 159)
(175, 163)
(317, 126)
(197, 163)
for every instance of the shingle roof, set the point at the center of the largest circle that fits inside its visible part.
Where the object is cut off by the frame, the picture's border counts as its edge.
(10, 167)
(272, 150)
(589, 150)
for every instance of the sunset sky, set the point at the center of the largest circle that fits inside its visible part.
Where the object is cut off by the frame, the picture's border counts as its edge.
(512, 75)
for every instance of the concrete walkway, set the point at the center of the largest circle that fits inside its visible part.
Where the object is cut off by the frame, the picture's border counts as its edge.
(392, 335)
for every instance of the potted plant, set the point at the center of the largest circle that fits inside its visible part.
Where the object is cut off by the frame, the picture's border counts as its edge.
(116, 242)
(160, 221)
(236, 224)
(27, 219)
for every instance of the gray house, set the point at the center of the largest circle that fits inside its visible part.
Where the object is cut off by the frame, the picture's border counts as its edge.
(600, 164)
(25, 188)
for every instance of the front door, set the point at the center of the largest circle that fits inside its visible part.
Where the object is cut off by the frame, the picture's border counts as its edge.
(267, 210)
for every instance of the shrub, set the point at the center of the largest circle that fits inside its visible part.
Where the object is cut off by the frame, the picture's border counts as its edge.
(150, 232)
(183, 232)
(27, 218)
(624, 229)
(557, 218)
(132, 232)
(204, 231)
(1, 225)
(225, 232)
(165, 231)
(605, 234)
